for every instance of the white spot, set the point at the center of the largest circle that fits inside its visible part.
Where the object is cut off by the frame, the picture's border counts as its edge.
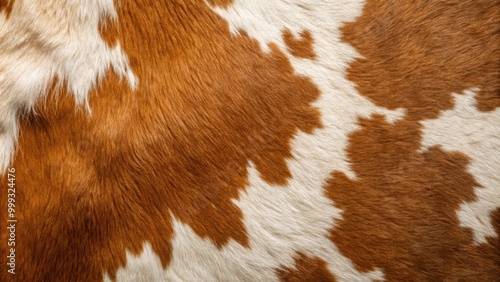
(45, 39)
(476, 134)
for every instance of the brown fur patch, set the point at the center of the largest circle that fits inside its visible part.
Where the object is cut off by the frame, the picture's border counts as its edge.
(109, 31)
(306, 269)
(400, 213)
(220, 3)
(416, 53)
(91, 188)
(7, 6)
(302, 47)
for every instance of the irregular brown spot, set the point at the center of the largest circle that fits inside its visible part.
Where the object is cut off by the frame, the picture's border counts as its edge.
(109, 32)
(416, 53)
(7, 6)
(91, 188)
(300, 48)
(400, 213)
(306, 269)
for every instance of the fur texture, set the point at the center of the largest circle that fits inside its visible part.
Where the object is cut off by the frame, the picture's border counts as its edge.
(283, 140)
(47, 44)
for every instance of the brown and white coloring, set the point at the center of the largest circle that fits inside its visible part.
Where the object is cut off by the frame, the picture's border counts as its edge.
(251, 140)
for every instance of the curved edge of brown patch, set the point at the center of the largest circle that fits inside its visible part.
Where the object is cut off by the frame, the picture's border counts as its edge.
(109, 31)
(7, 6)
(400, 213)
(487, 101)
(302, 47)
(312, 269)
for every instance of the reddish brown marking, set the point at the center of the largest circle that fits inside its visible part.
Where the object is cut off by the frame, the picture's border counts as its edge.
(91, 188)
(300, 48)
(109, 32)
(400, 214)
(416, 53)
(220, 3)
(7, 6)
(306, 269)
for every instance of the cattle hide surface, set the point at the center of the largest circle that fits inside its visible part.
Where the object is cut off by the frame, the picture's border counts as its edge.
(250, 140)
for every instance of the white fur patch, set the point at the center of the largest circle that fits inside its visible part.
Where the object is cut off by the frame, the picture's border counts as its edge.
(281, 221)
(45, 39)
(476, 134)
(143, 268)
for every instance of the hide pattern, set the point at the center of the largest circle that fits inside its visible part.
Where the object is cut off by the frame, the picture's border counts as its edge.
(251, 140)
